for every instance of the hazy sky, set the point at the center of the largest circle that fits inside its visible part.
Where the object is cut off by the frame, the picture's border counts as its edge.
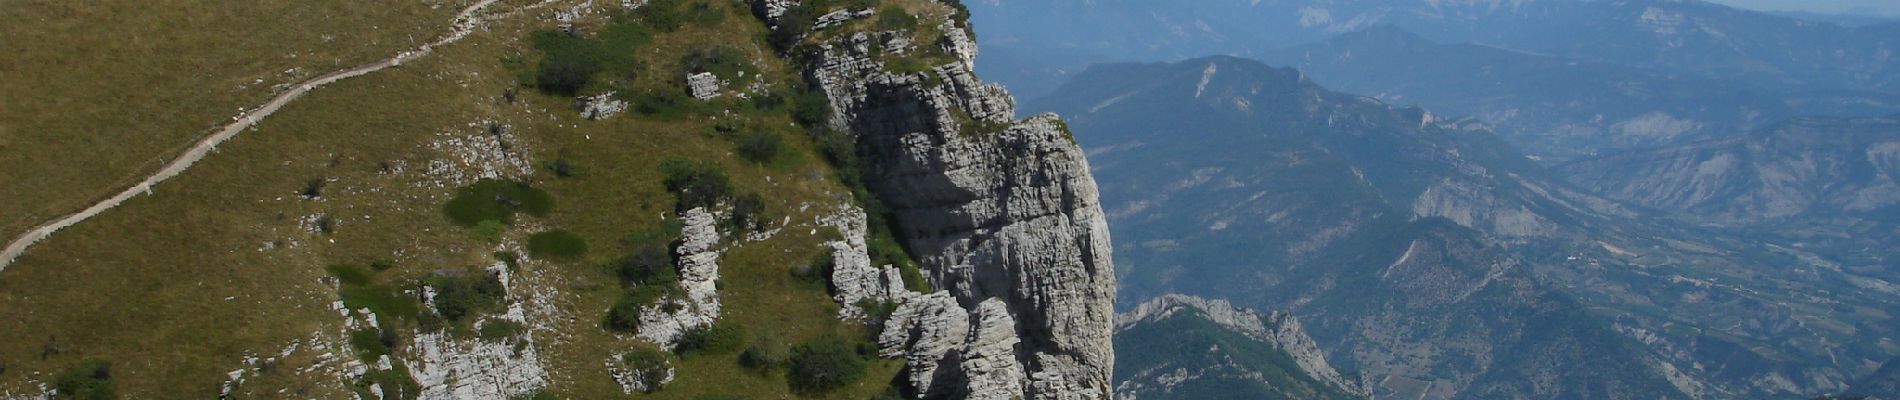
(1884, 7)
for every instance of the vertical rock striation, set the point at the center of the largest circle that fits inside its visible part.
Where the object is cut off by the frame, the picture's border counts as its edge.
(1002, 214)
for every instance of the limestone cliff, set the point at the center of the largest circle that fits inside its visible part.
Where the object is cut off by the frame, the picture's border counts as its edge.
(1001, 214)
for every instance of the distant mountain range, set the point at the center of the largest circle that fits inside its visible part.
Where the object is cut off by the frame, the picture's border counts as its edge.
(1558, 108)
(1827, 185)
(1678, 37)
(1227, 178)
(1435, 260)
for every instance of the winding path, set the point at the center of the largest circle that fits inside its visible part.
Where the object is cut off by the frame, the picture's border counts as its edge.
(466, 22)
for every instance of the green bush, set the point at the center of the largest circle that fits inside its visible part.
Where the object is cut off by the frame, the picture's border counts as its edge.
(650, 264)
(369, 344)
(818, 272)
(747, 215)
(725, 61)
(459, 296)
(663, 104)
(90, 380)
(395, 383)
(558, 243)
(562, 168)
(500, 330)
(663, 16)
(760, 146)
(496, 200)
(625, 314)
(696, 183)
(823, 365)
(568, 63)
(720, 338)
(893, 18)
(763, 355)
(810, 108)
(705, 14)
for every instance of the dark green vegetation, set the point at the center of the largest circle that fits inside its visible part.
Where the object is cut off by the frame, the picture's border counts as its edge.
(717, 339)
(460, 294)
(572, 65)
(395, 311)
(1228, 364)
(696, 183)
(90, 380)
(496, 200)
(557, 244)
(824, 365)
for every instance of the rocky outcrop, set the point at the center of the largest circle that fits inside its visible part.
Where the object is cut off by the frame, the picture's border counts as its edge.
(703, 86)
(447, 367)
(698, 252)
(1278, 328)
(1002, 214)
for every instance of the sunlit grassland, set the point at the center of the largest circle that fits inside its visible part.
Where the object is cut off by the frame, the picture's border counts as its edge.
(96, 94)
(177, 288)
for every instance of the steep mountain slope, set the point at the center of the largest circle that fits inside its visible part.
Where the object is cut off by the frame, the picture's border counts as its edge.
(1828, 185)
(1882, 384)
(1227, 178)
(1556, 108)
(1184, 347)
(669, 199)
(1682, 37)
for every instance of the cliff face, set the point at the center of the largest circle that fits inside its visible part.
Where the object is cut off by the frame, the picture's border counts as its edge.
(1002, 215)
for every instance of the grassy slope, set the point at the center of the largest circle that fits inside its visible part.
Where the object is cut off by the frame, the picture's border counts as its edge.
(146, 285)
(95, 94)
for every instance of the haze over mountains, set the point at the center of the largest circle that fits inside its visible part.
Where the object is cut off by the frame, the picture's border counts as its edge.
(1690, 38)
(1663, 198)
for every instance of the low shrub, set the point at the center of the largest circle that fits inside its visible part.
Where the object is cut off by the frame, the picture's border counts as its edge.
(763, 355)
(747, 215)
(719, 338)
(458, 296)
(669, 104)
(500, 330)
(894, 18)
(696, 183)
(369, 344)
(725, 61)
(824, 364)
(760, 146)
(650, 264)
(624, 316)
(90, 380)
(496, 200)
